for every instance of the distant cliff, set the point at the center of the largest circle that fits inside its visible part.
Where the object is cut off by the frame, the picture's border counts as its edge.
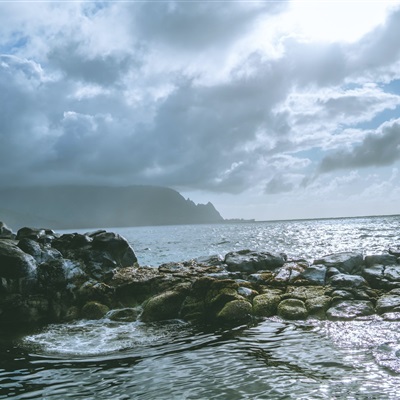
(74, 207)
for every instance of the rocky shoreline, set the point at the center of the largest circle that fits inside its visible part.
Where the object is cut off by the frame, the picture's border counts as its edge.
(47, 277)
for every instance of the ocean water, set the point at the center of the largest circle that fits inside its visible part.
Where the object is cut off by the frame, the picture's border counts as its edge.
(273, 359)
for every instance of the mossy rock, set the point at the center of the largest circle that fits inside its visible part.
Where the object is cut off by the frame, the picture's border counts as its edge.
(292, 309)
(164, 306)
(318, 306)
(265, 305)
(94, 310)
(234, 312)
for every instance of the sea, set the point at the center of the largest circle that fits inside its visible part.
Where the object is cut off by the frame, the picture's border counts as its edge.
(270, 359)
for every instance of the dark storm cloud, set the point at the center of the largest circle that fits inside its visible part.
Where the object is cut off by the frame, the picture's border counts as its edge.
(79, 114)
(377, 149)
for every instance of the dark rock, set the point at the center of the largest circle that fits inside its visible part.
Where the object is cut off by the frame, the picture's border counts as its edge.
(381, 259)
(216, 259)
(346, 262)
(349, 309)
(383, 277)
(30, 233)
(164, 306)
(14, 263)
(388, 303)
(317, 306)
(292, 309)
(266, 304)
(342, 295)
(395, 251)
(51, 275)
(38, 251)
(347, 281)
(124, 314)
(235, 312)
(94, 310)
(6, 232)
(289, 273)
(315, 275)
(248, 261)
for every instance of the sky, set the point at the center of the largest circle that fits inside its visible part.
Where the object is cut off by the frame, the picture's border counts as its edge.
(268, 109)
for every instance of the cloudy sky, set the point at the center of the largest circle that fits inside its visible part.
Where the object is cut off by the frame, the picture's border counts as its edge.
(268, 109)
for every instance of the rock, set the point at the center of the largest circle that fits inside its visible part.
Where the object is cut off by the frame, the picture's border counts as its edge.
(314, 275)
(303, 292)
(94, 310)
(216, 259)
(38, 251)
(51, 275)
(342, 295)
(6, 232)
(317, 306)
(292, 309)
(266, 304)
(349, 309)
(346, 262)
(164, 306)
(395, 251)
(289, 273)
(381, 259)
(248, 261)
(14, 263)
(347, 281)
(388, 303)
(383, 277)
(117, 246)
(124, 314)
(235, 312)
(31, 233)
(391, 316)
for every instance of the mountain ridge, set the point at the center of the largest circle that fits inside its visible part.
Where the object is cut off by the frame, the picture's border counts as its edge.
(80, 207)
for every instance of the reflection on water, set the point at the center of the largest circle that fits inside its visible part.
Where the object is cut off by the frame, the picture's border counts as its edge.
(274, 360)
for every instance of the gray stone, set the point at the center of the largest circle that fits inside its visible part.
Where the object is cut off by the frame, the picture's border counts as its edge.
(250, 261)
(235, 312)
(349, 309)
(315, 274)
(347, 281)
(381, 259)
(388, 303)
(346, 262)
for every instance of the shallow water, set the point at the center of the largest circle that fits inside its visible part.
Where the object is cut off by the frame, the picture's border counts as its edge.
(273, 359)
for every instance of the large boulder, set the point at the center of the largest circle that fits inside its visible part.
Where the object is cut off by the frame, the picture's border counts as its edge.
(292, 309)
(14, 263)
(346, 262)
(248, 261)
(349, 309)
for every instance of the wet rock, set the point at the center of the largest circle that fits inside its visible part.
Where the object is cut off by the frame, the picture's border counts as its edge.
(347, 281)
(14, 263)
(346, 262)
(383, 277)
(381, 259)
(317, 306)
(292, 309)
(314, 275)
(388, 303)
(248, 261)
(235, 312)
(164, 306)
(51, 275)
(391, 316)
(303, 292)
(349, 309)
(216, 259)
(289, 273)
(94, 310)
(395, 251)
(117, 246)
(342, 295)
(6, 232)
(39, 252)
(124, 314)
(31, 233)
(266, 304)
